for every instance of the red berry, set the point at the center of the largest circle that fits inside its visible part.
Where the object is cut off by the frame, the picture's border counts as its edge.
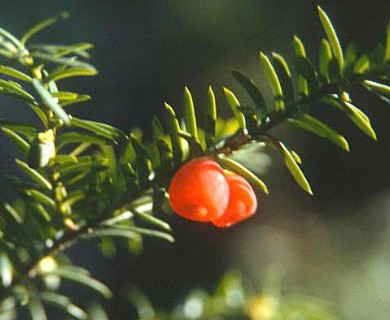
(199, 190)
(242, 202)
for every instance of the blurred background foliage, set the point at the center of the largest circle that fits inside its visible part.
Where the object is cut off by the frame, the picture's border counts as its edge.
(333, 246)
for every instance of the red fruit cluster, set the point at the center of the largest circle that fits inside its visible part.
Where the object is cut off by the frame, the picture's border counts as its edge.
(202, 191)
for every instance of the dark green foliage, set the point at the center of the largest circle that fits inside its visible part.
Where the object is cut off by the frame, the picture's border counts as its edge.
(86, 180)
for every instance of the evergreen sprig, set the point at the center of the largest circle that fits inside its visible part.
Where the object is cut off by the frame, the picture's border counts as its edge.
(89, 180)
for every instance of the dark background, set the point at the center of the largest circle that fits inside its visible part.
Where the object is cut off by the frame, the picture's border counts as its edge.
(146, 52)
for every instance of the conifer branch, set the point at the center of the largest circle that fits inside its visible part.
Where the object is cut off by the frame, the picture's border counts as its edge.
(96, 190)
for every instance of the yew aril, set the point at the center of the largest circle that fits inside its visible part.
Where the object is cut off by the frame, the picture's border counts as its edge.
(199, 190)
(242, 202)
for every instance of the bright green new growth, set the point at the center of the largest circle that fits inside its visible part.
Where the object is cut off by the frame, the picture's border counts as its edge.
(300, 54)
(273, 81)
(92, 181)
(332, 37)
(235, 105)
(189, 114)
